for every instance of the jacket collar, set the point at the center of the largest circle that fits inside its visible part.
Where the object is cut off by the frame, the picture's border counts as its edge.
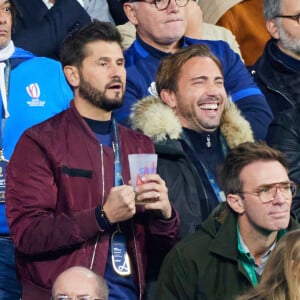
(221, 225)
(82, 123)
(262, 67)
(159, 122)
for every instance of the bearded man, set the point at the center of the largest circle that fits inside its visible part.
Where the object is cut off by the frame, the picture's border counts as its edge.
(193, 124)
(277, 71)
(68, 201)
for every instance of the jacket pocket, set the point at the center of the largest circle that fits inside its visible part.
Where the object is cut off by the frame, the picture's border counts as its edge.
(76, 172)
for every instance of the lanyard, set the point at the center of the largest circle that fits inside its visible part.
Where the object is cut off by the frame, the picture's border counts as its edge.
(211, 178)
(117, 161)
(120, 258)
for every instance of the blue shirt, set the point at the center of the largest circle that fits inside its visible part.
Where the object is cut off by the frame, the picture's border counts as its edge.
(120, 287)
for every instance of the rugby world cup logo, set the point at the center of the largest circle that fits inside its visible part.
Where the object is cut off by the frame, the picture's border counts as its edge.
(33, 90)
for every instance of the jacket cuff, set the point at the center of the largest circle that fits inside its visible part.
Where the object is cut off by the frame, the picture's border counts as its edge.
(102, 219)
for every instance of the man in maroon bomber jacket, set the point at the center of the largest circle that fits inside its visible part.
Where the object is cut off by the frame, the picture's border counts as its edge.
(68, 198)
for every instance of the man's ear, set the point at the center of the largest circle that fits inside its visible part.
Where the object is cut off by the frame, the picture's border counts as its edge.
(236, 203)
(168, 97)
(72, 75)
(130, 12)
(272, 28)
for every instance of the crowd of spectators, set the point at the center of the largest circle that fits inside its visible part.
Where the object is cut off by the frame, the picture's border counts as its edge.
(210, 86)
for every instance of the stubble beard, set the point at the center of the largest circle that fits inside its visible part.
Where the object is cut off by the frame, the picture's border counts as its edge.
(289, 42)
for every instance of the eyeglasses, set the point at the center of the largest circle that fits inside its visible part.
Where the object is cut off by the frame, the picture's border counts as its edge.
(267, 193)
(82, 297)
(295, 17)
(163, 4)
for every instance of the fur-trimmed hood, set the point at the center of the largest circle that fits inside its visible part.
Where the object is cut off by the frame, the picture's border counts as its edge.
(158, 121)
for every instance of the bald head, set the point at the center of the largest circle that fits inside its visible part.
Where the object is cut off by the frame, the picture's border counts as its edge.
(79, 281)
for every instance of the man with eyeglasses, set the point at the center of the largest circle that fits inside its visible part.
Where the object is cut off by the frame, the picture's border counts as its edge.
(228, 253)
(79, 283)
(196, 28)
(277, 71)
(160, 27)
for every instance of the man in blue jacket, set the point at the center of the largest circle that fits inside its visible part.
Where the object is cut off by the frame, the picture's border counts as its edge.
(160, 29)
(32, 89)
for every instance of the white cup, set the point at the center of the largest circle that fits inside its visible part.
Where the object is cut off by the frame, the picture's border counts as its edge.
(140, 165)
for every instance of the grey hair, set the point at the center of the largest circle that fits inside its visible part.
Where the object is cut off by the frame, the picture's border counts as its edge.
(271, 8)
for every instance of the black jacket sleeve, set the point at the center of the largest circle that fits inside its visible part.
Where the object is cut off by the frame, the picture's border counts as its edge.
(284, 135)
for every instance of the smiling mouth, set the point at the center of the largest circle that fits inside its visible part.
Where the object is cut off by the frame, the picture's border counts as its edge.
(209, 106)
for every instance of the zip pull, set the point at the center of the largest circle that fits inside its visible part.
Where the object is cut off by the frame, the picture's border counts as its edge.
(208, 141)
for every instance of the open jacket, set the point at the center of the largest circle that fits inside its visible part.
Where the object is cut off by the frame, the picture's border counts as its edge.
(189, 190)
(57, 176)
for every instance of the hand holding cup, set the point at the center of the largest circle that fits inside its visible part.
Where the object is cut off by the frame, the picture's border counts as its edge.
(149, 187)
(141, 165)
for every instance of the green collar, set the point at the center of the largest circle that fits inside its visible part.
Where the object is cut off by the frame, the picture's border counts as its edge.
(246, 258)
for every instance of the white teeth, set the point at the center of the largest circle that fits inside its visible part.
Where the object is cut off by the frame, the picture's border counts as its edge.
(209, 106)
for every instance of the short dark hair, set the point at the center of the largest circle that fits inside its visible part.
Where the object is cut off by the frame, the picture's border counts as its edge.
(170, 66)
(241, 156)
(73, 48)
